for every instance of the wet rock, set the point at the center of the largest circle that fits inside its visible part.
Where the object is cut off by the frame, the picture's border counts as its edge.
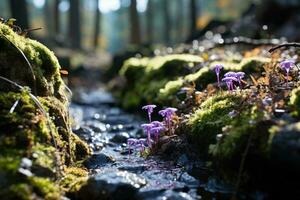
(167, 195)
(120, 138)
(84, 132)
(98, 160)
(133, 168)
(189, 180)
(112, 184)
(286, 145)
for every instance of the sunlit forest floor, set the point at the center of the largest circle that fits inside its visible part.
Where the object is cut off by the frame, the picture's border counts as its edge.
(211, 119)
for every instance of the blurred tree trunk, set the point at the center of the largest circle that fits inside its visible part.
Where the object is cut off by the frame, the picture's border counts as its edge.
(48, 20)
(56, 17)
(135, 34)
(19, 12)
(149, 22)
(179, 20)
(167, 22)
(97, 25)
(193, 16)
(74, 24)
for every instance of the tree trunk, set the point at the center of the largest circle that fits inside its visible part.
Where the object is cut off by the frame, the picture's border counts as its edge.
(167, 21)
(48, 20)
(19, 12)
(193, 16)
(56, 17)
(97, 25)
(74, 24)
(149, 16)
(135, 37)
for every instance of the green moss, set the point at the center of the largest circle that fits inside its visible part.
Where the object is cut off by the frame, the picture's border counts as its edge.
(27, 132)
(294, 102)
(45, 187)
(211, 117)
(249, 123)
(146, 76)
(74, 179)
(44, 63)
(206, 75)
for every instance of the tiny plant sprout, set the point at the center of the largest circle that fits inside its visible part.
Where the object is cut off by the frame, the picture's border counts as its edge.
(217, 69)
(287, 65)
(147, 129)
(229, 82)
(149, 109)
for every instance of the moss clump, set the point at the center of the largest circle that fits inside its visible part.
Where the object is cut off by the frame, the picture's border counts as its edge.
(295, 102)
(146, 76)
(248, 126)
(44, 64)
(36, 134)
(206, 75)
(211, 117)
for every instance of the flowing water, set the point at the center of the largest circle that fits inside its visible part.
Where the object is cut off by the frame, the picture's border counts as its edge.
(175, 173)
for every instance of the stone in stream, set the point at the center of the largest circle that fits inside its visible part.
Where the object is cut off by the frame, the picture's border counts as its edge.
(112, 184)
(98, 160)
(167, 195)
(120, 137)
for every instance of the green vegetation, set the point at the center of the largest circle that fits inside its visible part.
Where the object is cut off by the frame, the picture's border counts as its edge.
(37, 148)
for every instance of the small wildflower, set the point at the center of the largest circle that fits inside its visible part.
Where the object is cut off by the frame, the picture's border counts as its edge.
(239, 76)
(229, 82)
(149, 109)
(230, 74)
(136, 143)
(217, 69)
(167, 114)
(156, 131)
(232, 113)
(147, 129)
(287, 65)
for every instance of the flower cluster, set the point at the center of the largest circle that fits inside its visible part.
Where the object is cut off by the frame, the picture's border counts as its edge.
(229, 77)
(153, 129)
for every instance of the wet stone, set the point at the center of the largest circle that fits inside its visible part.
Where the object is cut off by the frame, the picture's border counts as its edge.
(120, 138)
(112, 184)
(167, 195)
(98, 160)
(84, 132)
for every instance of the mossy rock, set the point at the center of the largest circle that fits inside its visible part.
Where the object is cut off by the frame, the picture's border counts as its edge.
(146, 76)
(294, 102)
(211, 117)
(206, 75)
(44, 77)
(34, 129)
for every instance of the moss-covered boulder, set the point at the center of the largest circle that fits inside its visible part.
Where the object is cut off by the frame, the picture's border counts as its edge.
(146, 76)
(37, 145)
(29, 63)
(211, 117)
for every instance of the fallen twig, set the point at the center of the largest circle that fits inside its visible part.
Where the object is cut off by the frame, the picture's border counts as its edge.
(297, 45)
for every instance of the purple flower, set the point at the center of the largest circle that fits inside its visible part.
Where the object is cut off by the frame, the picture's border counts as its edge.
(230, 74)
(147, 128)
(167, 114)
(136, 143)
(149, 109)
(217, 69)
(156, 131)
(287, 65)
(229, 82)
(239, 76)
